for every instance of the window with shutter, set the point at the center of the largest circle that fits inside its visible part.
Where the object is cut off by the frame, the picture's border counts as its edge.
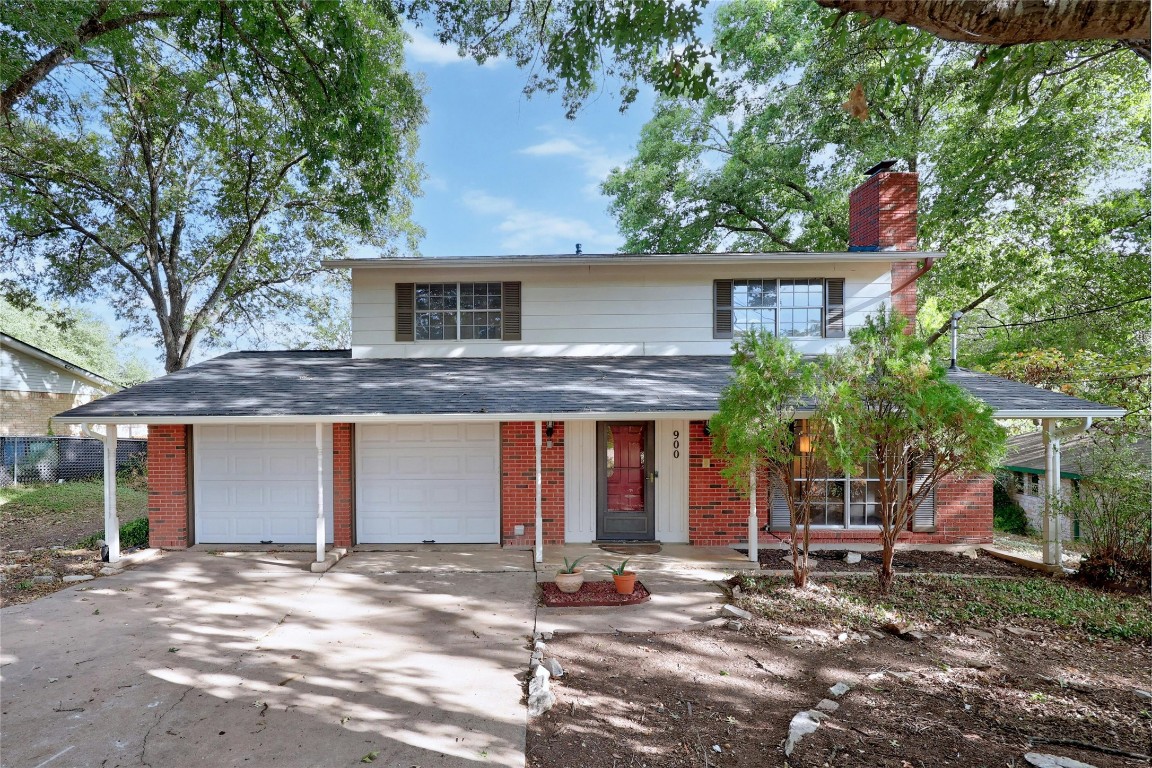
(780, 519)
(405, 298)
(511, 311)
(834, 308)
(722, 320)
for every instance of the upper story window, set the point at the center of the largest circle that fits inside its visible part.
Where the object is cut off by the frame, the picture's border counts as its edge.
(457, 311)
(796, 308)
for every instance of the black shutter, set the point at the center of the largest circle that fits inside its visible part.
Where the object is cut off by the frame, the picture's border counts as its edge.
(405, 299)
(780, 519)
(722, 309)
(924, 518)
(834, 308)
(510, 309)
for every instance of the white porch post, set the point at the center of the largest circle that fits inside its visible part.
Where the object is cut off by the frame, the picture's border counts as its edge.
(319, 492)
(753, 522)
(539, 499)
(1053, 548)
(111, 520)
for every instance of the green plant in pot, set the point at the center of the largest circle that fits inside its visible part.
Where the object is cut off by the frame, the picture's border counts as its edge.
(625, 579)
(570, 578)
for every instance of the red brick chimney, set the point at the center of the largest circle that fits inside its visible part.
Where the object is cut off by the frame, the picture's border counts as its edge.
(882, 217)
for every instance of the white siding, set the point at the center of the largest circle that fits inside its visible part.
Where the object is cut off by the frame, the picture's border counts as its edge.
(579, 481)
(23, 373)
(601, 310)
(672, 480)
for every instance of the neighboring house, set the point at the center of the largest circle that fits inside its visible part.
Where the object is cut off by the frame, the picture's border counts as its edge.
(427, 430)
(1026, 461)
(35, 386)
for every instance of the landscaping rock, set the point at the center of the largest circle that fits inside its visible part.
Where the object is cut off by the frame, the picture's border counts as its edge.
(913, 635)
(735, 625)
(740, 613)
(539, 646)
(980, 634)
(1143, 694)
(840, 689)
(793, 639)
(554, 668)
(109, 571)
(539, 681)
(1018, 632)
(541, 702)
(545, 635)
(895, 628)
(73, 578)
(44, 578)
(1041, 760)
(803, 723)
(852, 558)
(827, 705)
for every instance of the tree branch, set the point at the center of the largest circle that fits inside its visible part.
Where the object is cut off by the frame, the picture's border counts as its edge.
(965, 310)
(1064, 317)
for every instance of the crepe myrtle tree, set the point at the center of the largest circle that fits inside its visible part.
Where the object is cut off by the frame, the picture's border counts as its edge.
(894, 413)
(755, 430)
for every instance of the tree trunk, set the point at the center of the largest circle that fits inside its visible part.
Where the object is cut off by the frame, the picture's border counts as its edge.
(1012, 22)
(886, 571)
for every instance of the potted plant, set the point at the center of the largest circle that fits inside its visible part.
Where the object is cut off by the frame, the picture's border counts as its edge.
(625, 580)
(570, 578)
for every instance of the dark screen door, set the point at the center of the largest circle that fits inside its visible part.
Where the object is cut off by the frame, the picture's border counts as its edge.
(626, 481)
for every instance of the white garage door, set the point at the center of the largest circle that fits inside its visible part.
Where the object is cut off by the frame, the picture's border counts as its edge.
(428, 483)
(257, 483)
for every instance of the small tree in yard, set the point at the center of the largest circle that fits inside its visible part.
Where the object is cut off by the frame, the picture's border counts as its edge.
(894, 412)
(1112, 506)
(754, 430)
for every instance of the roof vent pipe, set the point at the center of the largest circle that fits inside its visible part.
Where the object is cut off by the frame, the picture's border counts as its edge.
(579, 250)
(955, 336)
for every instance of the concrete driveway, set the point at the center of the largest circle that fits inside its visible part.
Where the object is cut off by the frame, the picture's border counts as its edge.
(249, 660)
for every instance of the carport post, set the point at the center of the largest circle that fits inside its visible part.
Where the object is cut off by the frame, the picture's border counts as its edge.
(319, 492)
(1053, 554)
(753, 522)
(111, 521)
(539, 499)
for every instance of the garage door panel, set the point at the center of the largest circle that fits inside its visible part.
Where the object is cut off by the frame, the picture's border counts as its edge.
(428, 482)
(257, 483)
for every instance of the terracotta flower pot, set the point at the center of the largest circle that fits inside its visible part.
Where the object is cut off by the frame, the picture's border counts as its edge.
(626, 583)
(570, 582)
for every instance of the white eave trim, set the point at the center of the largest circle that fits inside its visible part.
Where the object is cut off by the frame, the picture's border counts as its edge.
(95, 379)
(365, 418)
(591, 260)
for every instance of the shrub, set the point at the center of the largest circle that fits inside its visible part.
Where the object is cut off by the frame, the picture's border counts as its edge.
(1008, 516)
(133, 533)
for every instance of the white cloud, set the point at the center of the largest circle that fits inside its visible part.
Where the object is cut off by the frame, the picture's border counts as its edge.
(525, 230)
(425, 49)
(554, 147)
(595, 160)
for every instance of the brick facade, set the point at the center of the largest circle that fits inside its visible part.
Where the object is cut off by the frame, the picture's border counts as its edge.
(30, 413)
(168, 496)
(882, 213)
(518, 483)
(343, 485)
(717, 513)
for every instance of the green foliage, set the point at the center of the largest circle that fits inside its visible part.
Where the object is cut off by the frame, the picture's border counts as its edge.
(893, 410)
(571, 567)
(1085, 373)
(951, 601)
(619, 571)
(134, 533)
(1039, 194)
(1007, 515)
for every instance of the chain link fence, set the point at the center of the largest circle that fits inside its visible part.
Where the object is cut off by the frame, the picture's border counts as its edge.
(35, 460)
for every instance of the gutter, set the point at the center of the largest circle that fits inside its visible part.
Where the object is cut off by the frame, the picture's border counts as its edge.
(928, 262)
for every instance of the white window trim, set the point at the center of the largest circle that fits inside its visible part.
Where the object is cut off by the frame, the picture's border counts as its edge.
(777, 309)
(457, 312)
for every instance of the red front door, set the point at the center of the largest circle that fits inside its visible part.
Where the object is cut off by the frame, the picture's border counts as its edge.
(626, 480)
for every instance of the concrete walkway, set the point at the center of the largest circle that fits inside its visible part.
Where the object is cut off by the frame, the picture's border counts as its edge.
(250, 660)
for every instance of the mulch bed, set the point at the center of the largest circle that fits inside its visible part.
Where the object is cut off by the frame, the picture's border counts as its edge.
(826, 561)
(590, 594)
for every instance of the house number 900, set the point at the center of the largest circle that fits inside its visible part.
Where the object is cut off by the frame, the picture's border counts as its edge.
(676, 444)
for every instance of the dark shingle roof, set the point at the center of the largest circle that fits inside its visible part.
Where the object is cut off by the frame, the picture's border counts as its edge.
(312, 383)
(1011, 399)
(1027, 452)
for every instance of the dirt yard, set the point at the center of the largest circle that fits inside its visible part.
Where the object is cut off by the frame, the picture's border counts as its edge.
(903, 561)
(1004, 667)
(41, 527)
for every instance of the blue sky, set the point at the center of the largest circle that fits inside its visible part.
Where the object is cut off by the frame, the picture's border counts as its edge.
(508, 174)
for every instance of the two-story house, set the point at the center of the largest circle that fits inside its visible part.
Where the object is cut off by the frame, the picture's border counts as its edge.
(530, 400)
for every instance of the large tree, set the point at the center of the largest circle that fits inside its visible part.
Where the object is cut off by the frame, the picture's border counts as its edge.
(192, 161)
(1039, 196)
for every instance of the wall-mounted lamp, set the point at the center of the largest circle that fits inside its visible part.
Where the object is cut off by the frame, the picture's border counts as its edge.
(549, 430)
(805, 444)
(707, 429)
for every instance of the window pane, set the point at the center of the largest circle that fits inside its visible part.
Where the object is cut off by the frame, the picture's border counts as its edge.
(480, 325)
(805, 302)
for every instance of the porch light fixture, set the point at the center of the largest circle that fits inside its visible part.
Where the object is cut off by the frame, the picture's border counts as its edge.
(805, 444)
(549, 430)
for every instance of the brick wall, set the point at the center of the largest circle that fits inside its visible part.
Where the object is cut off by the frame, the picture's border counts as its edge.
(717, 514)
(343, 484)
(30, 413)
(882, 213)
(168, 486)
(964, 509)
(518, 483)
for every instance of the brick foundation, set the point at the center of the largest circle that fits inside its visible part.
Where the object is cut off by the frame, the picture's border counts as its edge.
(518, 484)
(343, 485)
(168, 507)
